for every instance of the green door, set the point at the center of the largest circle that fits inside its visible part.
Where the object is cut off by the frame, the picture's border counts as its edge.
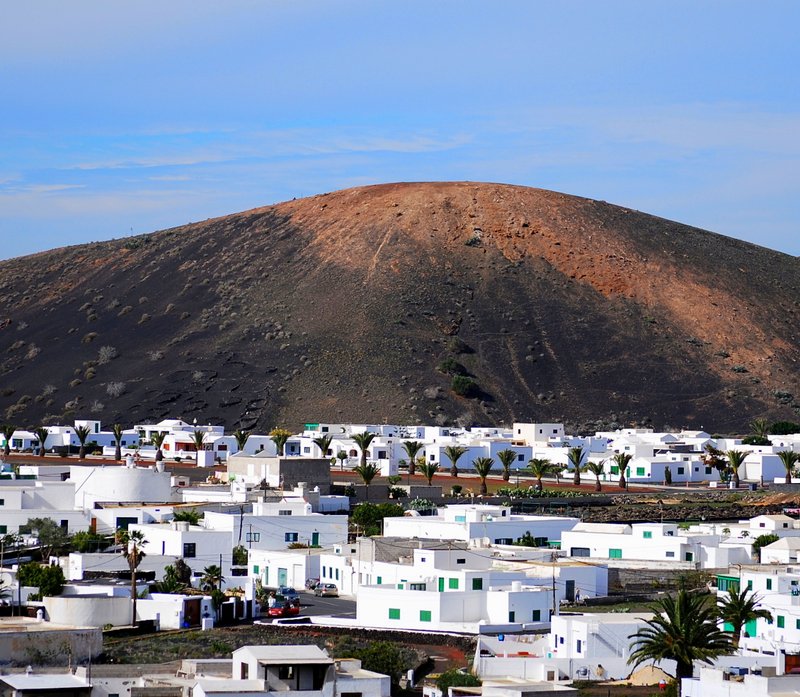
(315, 539)
(750, 628)
(281, 577)
(441, 584)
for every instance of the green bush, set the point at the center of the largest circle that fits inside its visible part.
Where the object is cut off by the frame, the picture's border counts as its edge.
(48, 579)
(783, 428)
(451, 366)
(464, 386)
(455, 678)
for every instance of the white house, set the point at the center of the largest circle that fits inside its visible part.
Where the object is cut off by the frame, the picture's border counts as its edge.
(117, 483)
(22, 499)
(477, 522)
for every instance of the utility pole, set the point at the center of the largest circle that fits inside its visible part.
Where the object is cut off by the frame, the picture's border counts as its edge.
(555, 605)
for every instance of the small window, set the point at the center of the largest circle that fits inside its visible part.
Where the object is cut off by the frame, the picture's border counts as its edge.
(536, 616)
(670, 555)
(762, 525)
(477, 584)
(511, 616)
(253, 536)
(769, 584)
(290, 537)
(285, 512)
(681, 470)
(394, 613)
(648, 534)
(640, 471)
(461, 561)
(453, 584)
(615, 554)
(424, 615)
(797, 624)
(520, 457)
(380, 580)
(285, 672)
(3, 529)
(749, 585)
(189, 550)
(781, 621)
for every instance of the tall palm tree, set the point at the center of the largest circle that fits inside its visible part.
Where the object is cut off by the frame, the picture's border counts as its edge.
(454, 453)
(789, 458)
(574, 458)
(735, 459)
(212, 578)
(622, 460)
(367, 471)
(279, 436)
(199, 441)
(412, 447)
(8, 431)
(131, 543)
(362, 440)
(82, 433)
(342, 456)
(684, 629)
(428, 469)
(324, 443)
(158, 440)
(41, 434)
(482, 467)
(241, 437)
(116, 431)
(540, 467)
(597, 468)
(507, 458)
(738, 608)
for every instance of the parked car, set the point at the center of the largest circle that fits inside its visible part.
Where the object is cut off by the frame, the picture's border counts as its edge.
(327, 589)
(284, 610)
(288, 592)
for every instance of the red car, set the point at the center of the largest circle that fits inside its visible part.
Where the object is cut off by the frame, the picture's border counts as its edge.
(284, 610)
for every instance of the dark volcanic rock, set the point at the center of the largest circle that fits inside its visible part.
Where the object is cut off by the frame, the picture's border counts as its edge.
(336, 308)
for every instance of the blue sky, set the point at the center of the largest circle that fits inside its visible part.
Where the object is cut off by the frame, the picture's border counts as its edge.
(128, 117)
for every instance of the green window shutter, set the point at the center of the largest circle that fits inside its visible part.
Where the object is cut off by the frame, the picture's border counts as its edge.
(615, 554)
(648, 534)
(769, 584)
(441, 584)
(640, 471)
(614, 469)
(511, 616)
(453, 584)
(727, 627)
(477, 584)
(781, 621)
(255, 569)
(424, 615)
(380, 580)
(749, 585)
(750, 628)
(394, 613)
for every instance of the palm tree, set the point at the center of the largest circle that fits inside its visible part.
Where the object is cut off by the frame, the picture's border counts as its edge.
(759, 428)
(507, 458)
(82, 433)
(212, 578)
(428, 469)
(574, 458)
(367, 471)
(324, 443)
(241, 437)
(735, 459)
(789, 458)
(482, 467)
(540, 467)
(738, 608)
(597, 468)
(684, 629)
(412, 447)
(199, 440)
(622, 460)
(342, 455)
(41, 434)
(454, 452)
(8, 431)
(131, 542)
(158, 440)
(362, 440)
(116, 431)
(279, 436)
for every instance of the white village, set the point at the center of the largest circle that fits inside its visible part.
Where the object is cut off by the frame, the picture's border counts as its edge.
(427, 535)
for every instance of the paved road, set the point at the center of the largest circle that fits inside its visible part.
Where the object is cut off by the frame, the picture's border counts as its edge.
(310, 606)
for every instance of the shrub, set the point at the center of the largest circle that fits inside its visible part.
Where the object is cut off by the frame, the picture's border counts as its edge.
(115, 389)
(782, 428)
(464, 386)
(451, 366)
(455, 678)
(106, 354)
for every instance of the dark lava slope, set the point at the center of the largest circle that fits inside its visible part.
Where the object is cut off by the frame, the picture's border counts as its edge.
(342, 307)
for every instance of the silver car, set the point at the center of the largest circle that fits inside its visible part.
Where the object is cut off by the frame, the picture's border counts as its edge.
(327, 589)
